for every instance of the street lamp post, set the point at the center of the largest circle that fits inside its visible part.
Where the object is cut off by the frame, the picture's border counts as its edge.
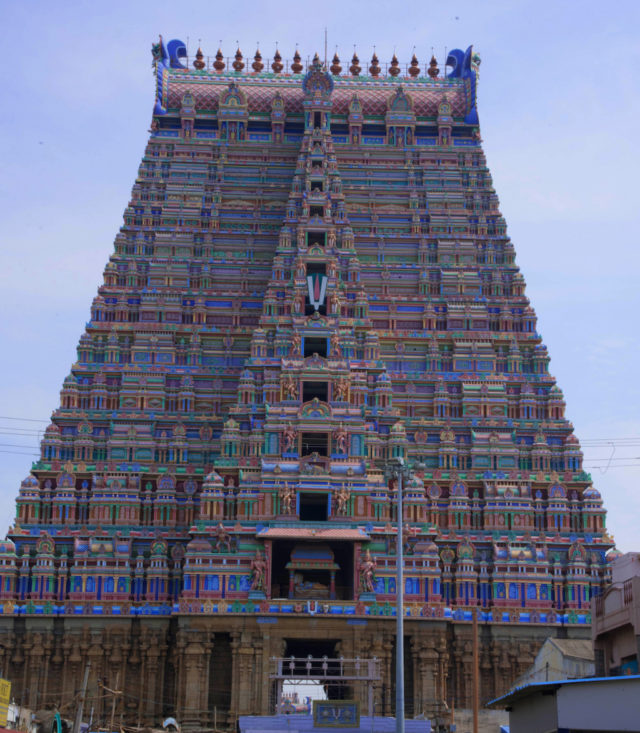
(399, 613)
(399, 471)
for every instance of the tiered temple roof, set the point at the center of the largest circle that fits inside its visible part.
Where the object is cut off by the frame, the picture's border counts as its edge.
(313, 278)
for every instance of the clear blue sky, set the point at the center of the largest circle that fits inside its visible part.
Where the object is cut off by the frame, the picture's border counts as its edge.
(559, 107)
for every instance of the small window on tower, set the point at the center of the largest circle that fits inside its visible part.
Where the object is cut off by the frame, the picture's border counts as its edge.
(313, 507)
(316, 164)
(314, 345)
(315, 443)
(316, 268)
(317, 119)
(310, 390)
(316, 185)
(316, 211)
(319, 238)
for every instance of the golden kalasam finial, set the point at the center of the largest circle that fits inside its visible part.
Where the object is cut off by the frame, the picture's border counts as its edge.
(218, 64)
(296, 66)
(335, 64)
(199, 63)
(414, 67)
(355, 67)
(257, 64)
(277, 64)
(433, 69)
(394, 68)
(238, 64)
(374, 69)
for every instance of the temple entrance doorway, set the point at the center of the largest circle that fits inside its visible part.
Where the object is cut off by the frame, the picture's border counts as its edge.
(318, 662)
(303, 648)
(317, 658)
(303, 570)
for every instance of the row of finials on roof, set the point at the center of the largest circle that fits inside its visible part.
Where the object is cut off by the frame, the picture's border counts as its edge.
(296, 67)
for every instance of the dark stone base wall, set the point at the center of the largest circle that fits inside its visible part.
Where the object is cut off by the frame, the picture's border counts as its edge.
(206, 670)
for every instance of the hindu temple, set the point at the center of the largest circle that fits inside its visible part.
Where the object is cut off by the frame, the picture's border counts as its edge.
(313, 280)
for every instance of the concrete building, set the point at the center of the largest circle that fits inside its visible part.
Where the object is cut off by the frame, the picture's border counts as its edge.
(598, 705)
(616, 619)
(560, 659)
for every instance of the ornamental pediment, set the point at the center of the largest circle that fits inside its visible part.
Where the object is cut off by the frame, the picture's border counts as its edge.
(315, 409)
(319, 362)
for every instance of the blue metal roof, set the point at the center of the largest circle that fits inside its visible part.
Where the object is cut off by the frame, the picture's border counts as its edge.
(525, 690)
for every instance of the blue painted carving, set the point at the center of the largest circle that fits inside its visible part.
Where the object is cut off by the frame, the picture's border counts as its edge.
(465, 65)
(317, 80)
(166, 57)
(176, 50)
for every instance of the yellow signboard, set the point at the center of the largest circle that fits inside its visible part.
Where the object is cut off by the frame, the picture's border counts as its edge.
(5, 696)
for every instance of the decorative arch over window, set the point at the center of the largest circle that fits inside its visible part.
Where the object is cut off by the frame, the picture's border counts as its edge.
(355, 120)
(233, 96)
(400, 119)
(233, 114)
(400, 101)
(278, 117)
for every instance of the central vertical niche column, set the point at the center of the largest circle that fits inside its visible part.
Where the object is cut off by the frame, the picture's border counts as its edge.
(317, 271)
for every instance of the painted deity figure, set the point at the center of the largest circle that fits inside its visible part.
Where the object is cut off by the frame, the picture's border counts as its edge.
(223, 539)
(336, 349)
(258, 571)
(296, 343)
(287, 495)
(290, 387)
(340, 436)
(341, 390)
(408, 534)
(298, 304)
(367, 573)
(336, 303)
(308, 589)
(289, 435)
(342, 500)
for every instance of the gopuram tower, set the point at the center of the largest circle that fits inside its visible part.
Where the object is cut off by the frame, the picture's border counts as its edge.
(313, 281)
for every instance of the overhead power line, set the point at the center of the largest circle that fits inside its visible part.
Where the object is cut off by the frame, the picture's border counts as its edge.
(22, 419)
